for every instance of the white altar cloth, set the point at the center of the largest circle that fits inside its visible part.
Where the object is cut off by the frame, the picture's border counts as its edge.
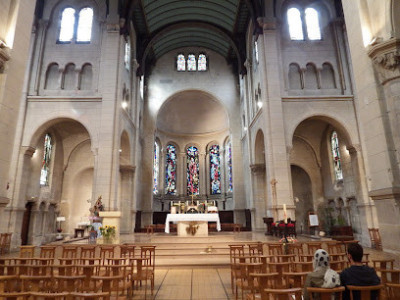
(192, 217)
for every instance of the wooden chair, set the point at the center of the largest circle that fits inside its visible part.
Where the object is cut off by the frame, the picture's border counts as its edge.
(264, 281)
(336, 248)
(68, 283)
(106, 251)
(139, 272)
(313, 246)
(307, 257)
(90, 296)
(128, 250)
(326, 294)
(278, 294)
(150, 253)
(375, 238)
(32, 283)
(383, 264)
(88, 251)
(2, 241)
(47, 251)
(338, 265)
(303, 266)
(27, 251)
(234, 252)
(243, 281)
(393, 291)
(295, 279)
(285, 258)
(70, 251)
(390, 276)
(296, 249)
(365, 291)
(256, 248)
(279, 268)
(275, 249)
(9, 283)
(49, 295)
(6, 242)
(108, 284)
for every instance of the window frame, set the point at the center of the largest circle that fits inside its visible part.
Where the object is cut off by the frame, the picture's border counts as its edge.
(74, 38)
(304, 26)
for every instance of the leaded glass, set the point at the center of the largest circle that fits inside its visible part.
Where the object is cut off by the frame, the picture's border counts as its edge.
(312, 22)
(45, 170)
(192, 171)
(215, 170)
(228, 159)
(295, 24)
(67, 25)
(181, 63)
(156, 167)
(202, 63)
(337, 164)
(191, 62)
(84, 33)
(170, 170)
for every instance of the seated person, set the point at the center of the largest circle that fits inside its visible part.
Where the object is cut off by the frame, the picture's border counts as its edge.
(358, 274)
(322, 276)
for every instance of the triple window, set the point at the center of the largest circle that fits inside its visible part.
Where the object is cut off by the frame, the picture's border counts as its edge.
(191, 63)
(300, 21)
(76, 25)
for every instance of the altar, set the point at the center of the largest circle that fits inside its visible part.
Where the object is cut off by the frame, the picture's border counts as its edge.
(198, 221)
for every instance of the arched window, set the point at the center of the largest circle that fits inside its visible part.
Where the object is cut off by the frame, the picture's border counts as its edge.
(84, 33)
(337, 164)
(45, 170)
(156, 167)
(215, 170)
(295, 24)
(127, 56)
(191, 62)
(202, 63)
(192, 174)
(52, 77)
(170, 170)
(67, 25)
(181, 62)
(312, 22)
(310, 77)
(228, 163)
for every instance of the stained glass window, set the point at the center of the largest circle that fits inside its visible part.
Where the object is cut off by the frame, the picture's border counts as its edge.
(127, 56)
(191, 62)
(228, 159)
(67, 25)
(295, 24)
(337, 164)
(312, 22)
(215, 170)
(170, 170)
(192, 171)
(156, 167)
(181, 63)
(84, 33)
(202, 63)
(45, 171)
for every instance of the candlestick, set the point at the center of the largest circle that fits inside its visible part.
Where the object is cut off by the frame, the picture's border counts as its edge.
(285, 213)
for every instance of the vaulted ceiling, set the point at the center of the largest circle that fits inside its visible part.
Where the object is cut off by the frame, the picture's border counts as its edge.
(165, 25)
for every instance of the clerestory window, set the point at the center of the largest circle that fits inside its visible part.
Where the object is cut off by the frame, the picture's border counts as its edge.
(76, 25)
(307, 21)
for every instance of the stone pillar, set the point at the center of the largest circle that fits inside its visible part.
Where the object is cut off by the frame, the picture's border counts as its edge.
(259, 196)
(276, 158)
(181, 169)
(202, 174)
(127, 173)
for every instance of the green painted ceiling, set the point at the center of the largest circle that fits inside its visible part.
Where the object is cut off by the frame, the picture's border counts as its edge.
(165, 25)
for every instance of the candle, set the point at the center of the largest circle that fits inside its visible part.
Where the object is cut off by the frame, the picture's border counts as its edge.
(285, 213)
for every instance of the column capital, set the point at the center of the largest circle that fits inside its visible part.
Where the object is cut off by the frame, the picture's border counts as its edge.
(354, 148)
(267, 24)
(386, 58)
(4, 56)
(257, 168)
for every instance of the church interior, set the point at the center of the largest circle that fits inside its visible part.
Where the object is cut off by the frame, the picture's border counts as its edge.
(265, 111)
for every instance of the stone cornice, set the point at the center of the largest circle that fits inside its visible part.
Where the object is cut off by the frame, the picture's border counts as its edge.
(4, 201)
(386, 58)
(392, 193)
(257, 168)
(127, 168)
(265, 24)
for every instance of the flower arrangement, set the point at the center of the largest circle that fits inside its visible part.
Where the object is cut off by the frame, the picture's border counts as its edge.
(108, 232)
(289, 240)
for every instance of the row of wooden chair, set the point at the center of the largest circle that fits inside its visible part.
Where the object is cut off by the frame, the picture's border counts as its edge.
(55, 296)
(5, 242)
(118, 275)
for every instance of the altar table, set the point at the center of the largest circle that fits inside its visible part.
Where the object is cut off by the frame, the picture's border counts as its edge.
(192, 218)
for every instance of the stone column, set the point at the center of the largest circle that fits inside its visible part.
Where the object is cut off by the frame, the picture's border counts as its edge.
(384, 152)
(127, 173)
(259, 195)
(278, 170)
